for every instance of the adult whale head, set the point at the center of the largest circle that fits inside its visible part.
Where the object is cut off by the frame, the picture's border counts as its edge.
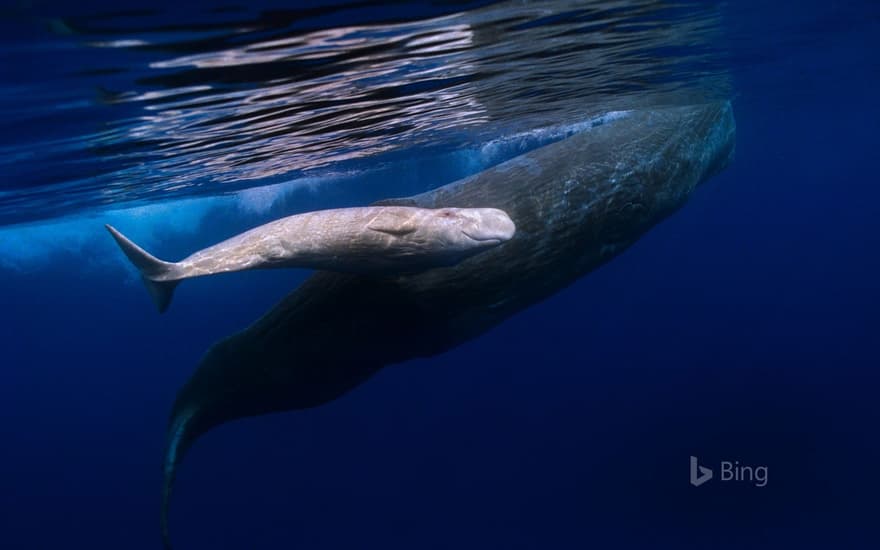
(576, 204)
(375, 239)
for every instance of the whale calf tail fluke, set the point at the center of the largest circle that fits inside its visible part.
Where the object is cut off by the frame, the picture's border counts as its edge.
(158, 276)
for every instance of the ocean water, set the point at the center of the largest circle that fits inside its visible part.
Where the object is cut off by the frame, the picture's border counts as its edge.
(742, 329)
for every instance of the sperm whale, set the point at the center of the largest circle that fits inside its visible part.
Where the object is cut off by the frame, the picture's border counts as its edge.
(374, 239)
(576, 203)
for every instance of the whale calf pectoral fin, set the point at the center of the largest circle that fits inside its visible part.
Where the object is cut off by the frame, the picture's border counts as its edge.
(393, 223)
(152, 270)
(396, 231)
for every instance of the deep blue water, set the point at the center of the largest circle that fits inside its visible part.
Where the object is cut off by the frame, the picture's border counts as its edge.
(744, 327)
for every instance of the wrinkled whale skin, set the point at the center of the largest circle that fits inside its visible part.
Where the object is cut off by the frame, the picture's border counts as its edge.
(576, 204)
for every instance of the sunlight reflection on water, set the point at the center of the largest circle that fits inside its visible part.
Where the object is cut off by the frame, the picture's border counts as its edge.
(174, 110)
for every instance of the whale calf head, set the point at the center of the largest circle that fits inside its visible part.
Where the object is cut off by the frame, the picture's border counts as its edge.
(424, 237)
(465, 231)
(469, 227)
(485, 226)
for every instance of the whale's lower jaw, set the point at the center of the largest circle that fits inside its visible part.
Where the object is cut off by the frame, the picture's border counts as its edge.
(336, 330)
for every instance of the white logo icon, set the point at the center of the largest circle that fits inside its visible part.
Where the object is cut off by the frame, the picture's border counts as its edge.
(699, 474)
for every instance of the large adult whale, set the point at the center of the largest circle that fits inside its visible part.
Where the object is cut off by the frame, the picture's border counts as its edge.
(576, 204)
(372, 239)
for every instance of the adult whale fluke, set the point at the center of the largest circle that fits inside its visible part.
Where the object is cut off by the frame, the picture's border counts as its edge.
(576, 204)
(374, 239)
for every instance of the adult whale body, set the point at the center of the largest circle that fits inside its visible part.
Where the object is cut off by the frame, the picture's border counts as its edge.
(576, 203)
(373, 239)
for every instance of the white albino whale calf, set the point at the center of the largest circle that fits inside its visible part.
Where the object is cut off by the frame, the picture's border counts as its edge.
(381, 240)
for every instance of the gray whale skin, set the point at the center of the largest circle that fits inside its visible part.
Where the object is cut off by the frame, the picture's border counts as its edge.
(576, 204)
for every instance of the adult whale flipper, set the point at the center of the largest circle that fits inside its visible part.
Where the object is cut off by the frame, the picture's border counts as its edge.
(576, 204)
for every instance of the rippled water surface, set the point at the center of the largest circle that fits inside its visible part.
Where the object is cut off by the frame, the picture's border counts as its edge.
(156, 101)
(107, 107)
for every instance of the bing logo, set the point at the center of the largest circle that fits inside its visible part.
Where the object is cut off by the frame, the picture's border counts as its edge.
(730, 471)
(699, 474)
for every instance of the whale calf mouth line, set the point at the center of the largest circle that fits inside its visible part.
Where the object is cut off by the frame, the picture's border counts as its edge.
(386, 240)
(487, 240)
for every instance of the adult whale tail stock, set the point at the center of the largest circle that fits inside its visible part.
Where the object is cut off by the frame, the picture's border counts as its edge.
(576, 204)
